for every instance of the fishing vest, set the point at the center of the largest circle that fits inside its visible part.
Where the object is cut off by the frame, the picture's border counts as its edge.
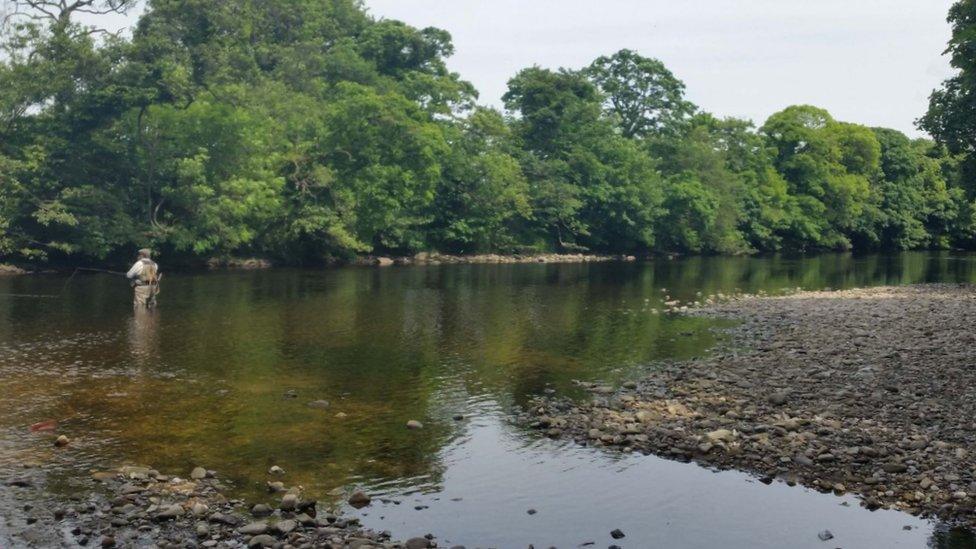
(150, 272)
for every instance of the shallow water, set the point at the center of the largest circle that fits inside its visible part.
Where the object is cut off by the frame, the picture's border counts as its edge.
(205, 381)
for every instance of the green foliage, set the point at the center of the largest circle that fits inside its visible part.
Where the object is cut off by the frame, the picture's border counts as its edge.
(951, 117)
(306, 129)
(591, 187)
(642, 93)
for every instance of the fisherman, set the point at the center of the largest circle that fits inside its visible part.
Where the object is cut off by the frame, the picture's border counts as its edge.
(144, 276)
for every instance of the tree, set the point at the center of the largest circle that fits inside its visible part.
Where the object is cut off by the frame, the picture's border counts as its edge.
(482, 203)
(951, 117)
(829, 166)
(642, 94)
(591, 187)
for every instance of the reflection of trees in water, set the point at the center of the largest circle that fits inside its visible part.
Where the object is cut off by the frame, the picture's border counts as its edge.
(945, 536)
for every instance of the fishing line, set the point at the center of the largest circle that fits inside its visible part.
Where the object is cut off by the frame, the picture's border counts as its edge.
(64, 288)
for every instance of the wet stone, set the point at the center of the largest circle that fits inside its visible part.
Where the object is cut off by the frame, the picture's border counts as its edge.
(359, 499)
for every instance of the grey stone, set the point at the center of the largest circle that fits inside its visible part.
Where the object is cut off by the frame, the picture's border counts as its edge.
(169, 512)
(289, 502)
(262, 540)
(254, 528)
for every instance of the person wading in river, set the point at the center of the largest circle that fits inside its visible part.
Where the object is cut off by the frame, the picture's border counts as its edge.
(144, 275)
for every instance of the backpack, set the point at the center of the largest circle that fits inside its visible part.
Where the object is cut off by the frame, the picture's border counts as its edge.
(150, 272)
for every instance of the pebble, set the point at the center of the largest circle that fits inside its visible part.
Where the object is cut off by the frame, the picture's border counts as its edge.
(198, 473)
(169, 512)
(359, 499)
(254, 528)
(617, 534)
(62, 441)
(275, 470)
(262, 540)
(289, 502)
(285, 527)
(414, 424)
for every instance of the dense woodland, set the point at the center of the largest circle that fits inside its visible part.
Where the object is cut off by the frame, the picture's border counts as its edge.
(308, 130)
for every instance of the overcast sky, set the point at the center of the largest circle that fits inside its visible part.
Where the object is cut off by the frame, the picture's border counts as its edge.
(868, 61)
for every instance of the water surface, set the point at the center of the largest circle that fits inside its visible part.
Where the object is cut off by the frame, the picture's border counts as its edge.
(222, 374)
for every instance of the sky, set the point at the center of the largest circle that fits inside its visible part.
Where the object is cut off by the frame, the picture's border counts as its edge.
(873, 62)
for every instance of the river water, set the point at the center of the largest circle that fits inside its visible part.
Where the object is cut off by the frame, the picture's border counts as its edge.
(222, 373)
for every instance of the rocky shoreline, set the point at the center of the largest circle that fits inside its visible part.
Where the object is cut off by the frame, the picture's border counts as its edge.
(136, 506)
(433, 258)
(866, 391)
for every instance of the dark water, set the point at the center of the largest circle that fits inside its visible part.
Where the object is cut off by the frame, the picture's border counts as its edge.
(203, 380)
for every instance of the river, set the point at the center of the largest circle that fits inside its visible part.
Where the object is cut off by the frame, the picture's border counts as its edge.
(222, 374)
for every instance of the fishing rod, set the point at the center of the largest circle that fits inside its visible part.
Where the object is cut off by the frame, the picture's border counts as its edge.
(94, 270)
(64, 288)
(87, 269)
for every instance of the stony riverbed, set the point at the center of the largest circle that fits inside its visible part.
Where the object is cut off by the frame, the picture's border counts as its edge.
(867, 391)
(136, 506)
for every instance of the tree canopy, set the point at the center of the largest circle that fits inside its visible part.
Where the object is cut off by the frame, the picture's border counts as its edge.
(307, 130)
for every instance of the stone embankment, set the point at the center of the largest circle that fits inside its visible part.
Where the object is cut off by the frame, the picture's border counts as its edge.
(867, 391)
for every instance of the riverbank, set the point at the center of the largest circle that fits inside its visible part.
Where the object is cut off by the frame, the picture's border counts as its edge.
(431, 258)
(866, 391)
(139, 506)
(423, 258)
